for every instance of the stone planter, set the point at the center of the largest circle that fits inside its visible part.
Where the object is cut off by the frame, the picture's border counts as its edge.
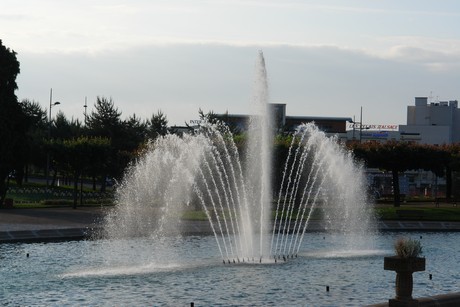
(404, 267)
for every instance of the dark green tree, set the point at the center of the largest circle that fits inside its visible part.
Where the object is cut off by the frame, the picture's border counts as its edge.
(36, 123)
(398, 157)
(452, 166)
(135, 133)
(125, 136)
(12, 130)
(215, 119)
(157, 125)
(63, 128)
(105, 121)
(81, 155)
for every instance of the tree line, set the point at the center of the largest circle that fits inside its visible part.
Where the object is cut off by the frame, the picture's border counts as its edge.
(101, 147)
(399, 156)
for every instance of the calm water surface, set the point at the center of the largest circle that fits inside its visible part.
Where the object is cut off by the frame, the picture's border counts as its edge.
(178, 271)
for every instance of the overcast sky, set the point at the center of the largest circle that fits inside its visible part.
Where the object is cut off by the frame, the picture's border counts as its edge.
(324, 58)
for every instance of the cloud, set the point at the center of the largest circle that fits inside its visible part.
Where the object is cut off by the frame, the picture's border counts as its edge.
(435, 54)
(12, 17)
(434, 60)
(181, 78)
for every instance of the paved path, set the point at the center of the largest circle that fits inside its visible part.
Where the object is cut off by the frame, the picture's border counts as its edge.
(47, 224)
(51, 224)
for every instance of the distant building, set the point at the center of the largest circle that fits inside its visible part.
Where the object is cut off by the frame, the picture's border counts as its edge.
(427, 123)
(288, 124)
(432, 123)
(181, 130)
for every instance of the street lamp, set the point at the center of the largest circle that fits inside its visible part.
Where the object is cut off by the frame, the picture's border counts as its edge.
(361, 125)
(85, 106)
(52, 104)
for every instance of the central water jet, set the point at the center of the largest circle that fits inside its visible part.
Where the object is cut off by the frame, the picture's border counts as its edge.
(259, 158)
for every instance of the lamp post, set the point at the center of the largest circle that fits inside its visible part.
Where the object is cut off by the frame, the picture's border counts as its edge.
(81, 175)
(85, 106)
(49, 135)
(361, 125)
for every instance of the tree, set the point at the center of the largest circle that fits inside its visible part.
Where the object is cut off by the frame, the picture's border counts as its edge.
(125, 136)
(398, 157)
(215, 119)
(105, 120)
(452, 165)
(33, 146)
(157, 125)
(80, 155)
(135, 132)
(12, 131)
(62, 128)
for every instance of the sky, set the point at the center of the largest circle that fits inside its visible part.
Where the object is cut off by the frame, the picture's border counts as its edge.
(323, 58)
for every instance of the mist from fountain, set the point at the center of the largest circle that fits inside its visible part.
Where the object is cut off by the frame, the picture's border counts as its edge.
(203, 172)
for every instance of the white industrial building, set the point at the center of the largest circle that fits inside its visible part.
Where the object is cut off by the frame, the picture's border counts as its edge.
(433, 123)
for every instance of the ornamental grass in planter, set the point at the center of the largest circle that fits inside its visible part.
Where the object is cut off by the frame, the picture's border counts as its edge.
(406, 261)
(407, 248)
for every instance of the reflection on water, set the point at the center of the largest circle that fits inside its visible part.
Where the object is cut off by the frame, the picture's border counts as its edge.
(145, 272)
(346, 253)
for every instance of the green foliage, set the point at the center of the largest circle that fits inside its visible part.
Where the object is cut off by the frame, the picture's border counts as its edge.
(134, 132)
(429, 213)
(105, 119)
(81, 155)
(214, 119)
(196, 215)
(35, 195)
(35, 121)
(401, 156)
(9, 70)
(12, 128)
(157, 125)
(62, 128)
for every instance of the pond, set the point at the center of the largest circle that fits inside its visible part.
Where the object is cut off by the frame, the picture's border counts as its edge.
(181, 270)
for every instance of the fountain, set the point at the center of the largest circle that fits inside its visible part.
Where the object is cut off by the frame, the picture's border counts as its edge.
(145, 258)
(204, 171)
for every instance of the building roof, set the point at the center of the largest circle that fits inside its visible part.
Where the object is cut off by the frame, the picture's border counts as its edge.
(313, 118)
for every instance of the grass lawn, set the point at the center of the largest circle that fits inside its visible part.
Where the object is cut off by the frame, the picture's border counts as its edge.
(429, 212)
(32, 195)
(38, 196)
